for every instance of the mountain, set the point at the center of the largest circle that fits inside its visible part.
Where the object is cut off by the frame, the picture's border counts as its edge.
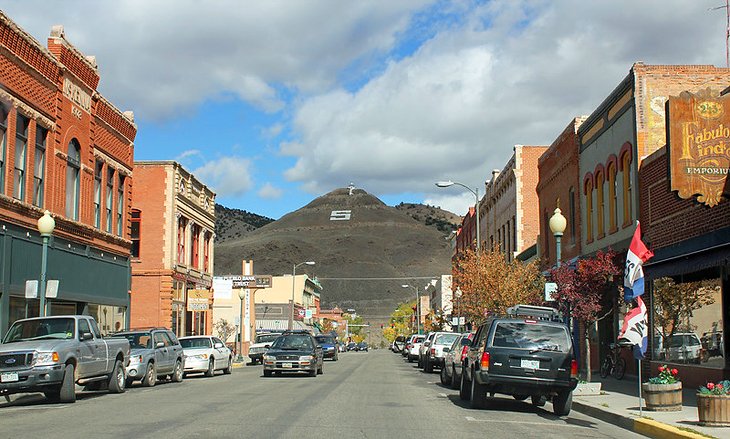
(443, 220)
(235, 223)
(364, 251)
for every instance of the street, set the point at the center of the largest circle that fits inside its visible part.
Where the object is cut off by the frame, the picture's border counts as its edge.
(363, 395)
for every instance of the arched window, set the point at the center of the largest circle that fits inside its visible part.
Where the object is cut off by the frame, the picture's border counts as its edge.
(612, 201)
(626, 174)
(589, 209)
(571, 214)
(599, 205)
(73, 183)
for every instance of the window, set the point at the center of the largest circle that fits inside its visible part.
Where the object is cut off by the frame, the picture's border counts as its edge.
(626, 174)
(21, 146)
(206, 253)
(514, 233)
(195, 247)
(548, 233)
(589, 209)
(39, 170)
(120, 205)
(571, 214)
(181, 241)
(109, 198)
(599, 204)
(73, 166)
(98, 170)
(136, 223)
(3, 143)
(612, 201)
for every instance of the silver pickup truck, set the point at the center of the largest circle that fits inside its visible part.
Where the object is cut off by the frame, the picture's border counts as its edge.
(53, 354)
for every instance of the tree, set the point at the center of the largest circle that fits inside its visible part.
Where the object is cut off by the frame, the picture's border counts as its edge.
(490, 284)
(674, 303)
(224, 329)
(401, 321)
(354, 327)
(581, 291)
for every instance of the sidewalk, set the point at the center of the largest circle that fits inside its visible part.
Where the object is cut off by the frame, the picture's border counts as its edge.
(619, 404)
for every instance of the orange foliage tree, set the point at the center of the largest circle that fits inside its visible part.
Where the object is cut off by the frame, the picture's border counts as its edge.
(489, 284)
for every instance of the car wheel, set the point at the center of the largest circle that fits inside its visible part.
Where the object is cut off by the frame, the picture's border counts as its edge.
(211, 371)
(320, 371)
(177, 374)
(117, 380)
(562, 403)
(444, 378)
(267, 373)
(67, 392)
(427, 366)
(465, 388)
(538, 400)
(410, 359)
(228, 368)
(150, 376)
(337, 357)
(313, 373)
(478, 395)
(455, 381)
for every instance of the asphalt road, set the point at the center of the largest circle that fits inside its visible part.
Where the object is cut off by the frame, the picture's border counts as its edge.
(363, 395)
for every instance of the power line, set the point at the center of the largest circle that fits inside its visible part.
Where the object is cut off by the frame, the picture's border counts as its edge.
(379, 278)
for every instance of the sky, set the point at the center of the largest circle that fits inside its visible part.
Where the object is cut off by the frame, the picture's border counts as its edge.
(274, 103)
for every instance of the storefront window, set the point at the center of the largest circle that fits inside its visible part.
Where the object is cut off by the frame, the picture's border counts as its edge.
(178, 308)
(688, 319)
(110, 318)
(22, 308)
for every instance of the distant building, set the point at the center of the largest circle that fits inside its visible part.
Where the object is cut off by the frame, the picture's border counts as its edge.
(66, 149)
(173, 222)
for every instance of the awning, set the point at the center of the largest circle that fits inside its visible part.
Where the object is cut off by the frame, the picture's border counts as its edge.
(688, 263)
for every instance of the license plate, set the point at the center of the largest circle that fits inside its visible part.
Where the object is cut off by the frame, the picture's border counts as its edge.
(530, 364)
(8, 377)
(286, 365)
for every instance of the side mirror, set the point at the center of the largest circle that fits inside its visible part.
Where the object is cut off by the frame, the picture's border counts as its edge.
(87, 336)
(160, 344)
(218, 345)
(267, 346)
(465, 342)
(446, 350)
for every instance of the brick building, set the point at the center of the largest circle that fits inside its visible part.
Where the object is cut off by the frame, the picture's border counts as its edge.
(65, 149)
(466, 234)
(173, 221)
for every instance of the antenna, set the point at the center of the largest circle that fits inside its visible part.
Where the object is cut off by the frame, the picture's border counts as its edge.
(727, 29)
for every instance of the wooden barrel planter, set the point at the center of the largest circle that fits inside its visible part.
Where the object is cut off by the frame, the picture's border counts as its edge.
(713, 410)
(663, 397)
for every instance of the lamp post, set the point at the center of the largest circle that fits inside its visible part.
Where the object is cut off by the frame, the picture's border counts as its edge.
(241, 295)
(449, 183)
(46, 224)
(418, 307)
(293, 286)
(557, 226)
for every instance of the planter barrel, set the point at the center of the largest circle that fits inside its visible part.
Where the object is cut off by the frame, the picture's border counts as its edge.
(663, 397)
(713, 410)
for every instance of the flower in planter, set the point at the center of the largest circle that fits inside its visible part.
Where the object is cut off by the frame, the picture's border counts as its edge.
(666, 376)
(719, 388)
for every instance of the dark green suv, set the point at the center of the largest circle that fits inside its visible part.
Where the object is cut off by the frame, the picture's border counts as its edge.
(527, 353)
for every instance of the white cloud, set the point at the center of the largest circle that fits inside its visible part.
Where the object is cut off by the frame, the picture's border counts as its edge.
(269, 191)
(228, 176)
(454, 203)
(187, 154)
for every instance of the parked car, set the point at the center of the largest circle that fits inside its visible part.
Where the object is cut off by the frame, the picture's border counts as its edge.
(451, 371)
(352, 346)
(398, 344)
(54, 354)
(206, 354)
(362, 347)
(263, 341)
(155, 354)
(407, 345)
(684, 347)
(424, 348)
(329, 346)
(434, 355)
(527, 353)
(415, 345)
(294, 351)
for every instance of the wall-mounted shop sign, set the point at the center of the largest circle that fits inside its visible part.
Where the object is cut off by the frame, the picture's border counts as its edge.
(699, 145)
(251, 281)
(76, 94)
(198, 300)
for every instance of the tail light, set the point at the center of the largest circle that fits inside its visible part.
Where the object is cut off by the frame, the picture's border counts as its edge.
(433, 352)
(485, 361)
(574, 369)
(464, 351)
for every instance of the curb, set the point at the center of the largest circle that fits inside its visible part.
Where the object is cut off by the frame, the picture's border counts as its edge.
(646, 427)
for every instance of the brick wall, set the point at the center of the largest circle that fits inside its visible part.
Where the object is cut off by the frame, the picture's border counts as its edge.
(528, 208)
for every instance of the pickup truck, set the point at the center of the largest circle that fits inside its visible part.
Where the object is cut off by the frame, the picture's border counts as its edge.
(53, 354)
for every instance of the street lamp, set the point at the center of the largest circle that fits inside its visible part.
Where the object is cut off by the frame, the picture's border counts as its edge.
(449, 183)
(46, 224)
(293, 282)
(241, 295)
(557, 226)
(418, 313)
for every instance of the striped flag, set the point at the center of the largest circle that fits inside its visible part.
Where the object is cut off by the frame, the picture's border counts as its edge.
(635, 329)
(634, 273)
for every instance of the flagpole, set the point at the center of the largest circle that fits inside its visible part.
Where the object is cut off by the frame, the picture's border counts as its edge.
(640, 412)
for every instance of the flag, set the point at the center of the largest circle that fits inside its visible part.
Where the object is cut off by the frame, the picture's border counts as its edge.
(634, 273)
(635, 329)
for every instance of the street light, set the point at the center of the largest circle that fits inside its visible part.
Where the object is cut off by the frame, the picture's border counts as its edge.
(557, 226)
(418, 313)
(46, 224)
(293, 282)
(241, 295)
(449, 183)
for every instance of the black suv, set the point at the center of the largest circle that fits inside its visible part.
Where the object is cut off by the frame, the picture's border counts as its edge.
(527, 353)
(294, 351)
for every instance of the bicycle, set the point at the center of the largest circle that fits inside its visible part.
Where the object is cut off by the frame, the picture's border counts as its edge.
(613, 363)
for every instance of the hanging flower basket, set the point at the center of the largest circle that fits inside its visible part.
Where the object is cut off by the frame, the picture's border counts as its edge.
(713, 404)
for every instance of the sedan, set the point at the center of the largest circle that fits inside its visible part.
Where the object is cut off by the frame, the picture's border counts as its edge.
(206, 354)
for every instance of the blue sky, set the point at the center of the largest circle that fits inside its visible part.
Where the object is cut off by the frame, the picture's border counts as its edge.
(275, 103)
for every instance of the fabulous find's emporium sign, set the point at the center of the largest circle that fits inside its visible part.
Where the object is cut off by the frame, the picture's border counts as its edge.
(699, 145)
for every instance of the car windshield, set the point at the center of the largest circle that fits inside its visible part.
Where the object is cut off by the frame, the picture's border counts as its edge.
(325, 339)
(445, 339)
(531, 336)
(137, 340)
(293, 342)
(195, 343)
(266, 338)
(41, 329)
(418, 339)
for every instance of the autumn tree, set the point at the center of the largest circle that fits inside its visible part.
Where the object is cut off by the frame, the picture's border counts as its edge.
(401, 321)
(490, 284)
(581, 291)
(674, 304)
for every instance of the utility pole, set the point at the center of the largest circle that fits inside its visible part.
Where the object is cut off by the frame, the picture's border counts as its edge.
(727, 30)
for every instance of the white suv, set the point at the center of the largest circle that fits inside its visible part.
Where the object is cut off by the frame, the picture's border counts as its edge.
(434, 353)
(414, 344)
